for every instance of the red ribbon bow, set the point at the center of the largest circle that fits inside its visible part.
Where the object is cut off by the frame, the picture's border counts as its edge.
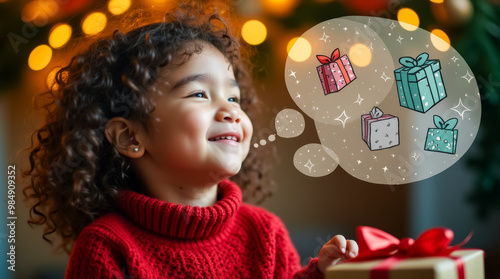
(326, 60)
(375, 243)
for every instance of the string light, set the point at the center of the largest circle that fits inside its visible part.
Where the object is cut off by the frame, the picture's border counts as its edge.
(408, 19)
(60, 35)
(40, 57)
(300, 49)
(254, 32)
(94, 23)
(440, 40)
(118, 7)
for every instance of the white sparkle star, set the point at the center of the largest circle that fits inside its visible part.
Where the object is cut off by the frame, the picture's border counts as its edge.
(384, 77)
(324, 37)
(460, 108)
(468, 77)
(415, 156)
(371, 46)
(454, 59)
(298, 95)
(309, 165)
(292, 74)
(427, 45)
(399, 39)
(356, 33)
(359, 100)
(359, 162)
(385, 168)
(393, 155)
(345, 28)
(392, 26)
(297, 81)
(342, 119)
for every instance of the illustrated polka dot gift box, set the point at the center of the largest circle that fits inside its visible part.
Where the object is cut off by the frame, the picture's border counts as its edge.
(335, 73)
(379, 130)
(444, 137)
(419, 83)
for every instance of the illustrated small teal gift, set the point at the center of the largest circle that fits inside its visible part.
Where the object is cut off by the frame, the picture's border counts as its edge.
(444, 137)
(419, 83)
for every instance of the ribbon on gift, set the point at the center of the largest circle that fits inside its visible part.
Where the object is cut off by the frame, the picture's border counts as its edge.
(448, 125)
(414, 63)
(334, 58)
(376, 112)
(374, 244)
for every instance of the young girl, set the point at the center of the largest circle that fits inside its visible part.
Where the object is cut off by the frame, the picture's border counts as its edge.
(131, 165)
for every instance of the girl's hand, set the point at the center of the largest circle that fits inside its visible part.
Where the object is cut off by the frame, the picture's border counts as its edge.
(335, 251)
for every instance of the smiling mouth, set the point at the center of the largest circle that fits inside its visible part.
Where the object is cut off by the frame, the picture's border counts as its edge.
(231, 138)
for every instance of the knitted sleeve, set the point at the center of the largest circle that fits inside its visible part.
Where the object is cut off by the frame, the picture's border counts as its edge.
(94, 257)
(288, 260)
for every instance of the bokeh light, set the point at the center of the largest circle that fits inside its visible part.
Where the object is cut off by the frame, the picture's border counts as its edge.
(300, 50)
(437, 1)
(360, 55)
(408, 19)
(60, 35)
(39, 11)
(40, 57)
(94, 23)
(118, 7)
(254, 32)
(440, 40)
(290, 44)
(280, 8)
(51, 79)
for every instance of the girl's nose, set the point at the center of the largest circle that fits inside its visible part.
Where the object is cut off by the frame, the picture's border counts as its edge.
(228, 114)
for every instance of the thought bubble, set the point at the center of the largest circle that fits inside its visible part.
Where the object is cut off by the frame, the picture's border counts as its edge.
(289, 123)
(392, 105)
(315, 160)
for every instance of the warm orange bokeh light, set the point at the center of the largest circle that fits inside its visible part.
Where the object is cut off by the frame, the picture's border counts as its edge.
(60, 35)
(94, 23)
(40, 57)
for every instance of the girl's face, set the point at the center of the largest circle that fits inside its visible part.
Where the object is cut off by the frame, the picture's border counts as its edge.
(199, 130)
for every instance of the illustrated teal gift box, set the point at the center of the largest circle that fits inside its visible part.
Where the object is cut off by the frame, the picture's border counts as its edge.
(444, 137)
(419, 83)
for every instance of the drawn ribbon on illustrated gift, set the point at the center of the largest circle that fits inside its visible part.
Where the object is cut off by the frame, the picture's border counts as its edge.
(414, 64)
(376, 113)
(325, 60)
(441, 124)
(375, 244)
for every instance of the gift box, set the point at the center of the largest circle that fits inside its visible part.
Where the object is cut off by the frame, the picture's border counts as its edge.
(444, 137)
(382, 256)
(419, 83)
(379, 130)
(335, 72)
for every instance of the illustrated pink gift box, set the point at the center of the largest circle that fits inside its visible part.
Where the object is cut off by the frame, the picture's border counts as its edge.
(335, 72)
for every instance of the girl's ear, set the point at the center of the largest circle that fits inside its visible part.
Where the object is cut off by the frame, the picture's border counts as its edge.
(120, 133)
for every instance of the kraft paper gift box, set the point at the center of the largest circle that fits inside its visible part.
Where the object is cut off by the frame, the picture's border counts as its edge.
(419, 83)
(379, 130)
(415, 268)
(408, 259)
(335, 72)
(444, 137)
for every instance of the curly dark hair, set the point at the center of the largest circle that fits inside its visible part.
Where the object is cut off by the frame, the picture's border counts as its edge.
(76, 174)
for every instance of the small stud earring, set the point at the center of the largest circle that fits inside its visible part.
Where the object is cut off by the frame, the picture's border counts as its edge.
(136, 149)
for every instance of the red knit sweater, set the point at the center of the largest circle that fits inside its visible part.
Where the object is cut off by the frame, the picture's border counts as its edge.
(154, 239)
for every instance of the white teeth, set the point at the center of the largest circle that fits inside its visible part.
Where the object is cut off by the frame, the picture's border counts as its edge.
(225, 137)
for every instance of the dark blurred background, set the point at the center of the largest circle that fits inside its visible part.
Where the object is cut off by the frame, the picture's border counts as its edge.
(37, 37)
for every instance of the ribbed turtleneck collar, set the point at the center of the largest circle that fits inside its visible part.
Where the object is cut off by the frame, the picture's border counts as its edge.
(182, 221)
